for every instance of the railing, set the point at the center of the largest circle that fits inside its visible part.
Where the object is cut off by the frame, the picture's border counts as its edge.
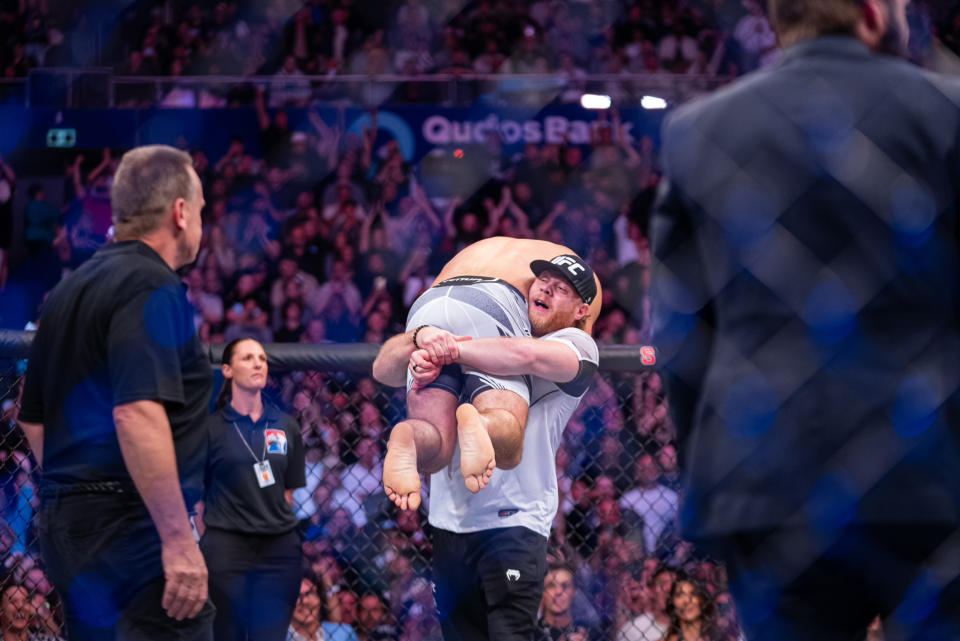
(102, 88)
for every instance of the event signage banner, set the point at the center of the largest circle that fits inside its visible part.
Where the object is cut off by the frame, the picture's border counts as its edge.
(418, 129)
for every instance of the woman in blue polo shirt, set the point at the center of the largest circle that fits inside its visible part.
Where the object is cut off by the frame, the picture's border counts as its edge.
(251, 542)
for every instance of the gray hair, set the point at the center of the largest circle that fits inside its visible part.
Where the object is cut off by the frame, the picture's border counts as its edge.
(148, 181)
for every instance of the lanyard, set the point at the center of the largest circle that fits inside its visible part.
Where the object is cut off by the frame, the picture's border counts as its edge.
(263, 456)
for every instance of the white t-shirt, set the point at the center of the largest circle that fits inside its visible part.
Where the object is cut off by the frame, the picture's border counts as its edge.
(642, 628)
(526, 495)
(356, 483)
(358, 480)
(304, 507)
(657, 506)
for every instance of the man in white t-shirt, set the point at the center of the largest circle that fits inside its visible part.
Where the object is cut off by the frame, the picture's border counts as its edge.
(654, 502)
(489, 549)
(488, 289)
(359, 480)
(652, 625)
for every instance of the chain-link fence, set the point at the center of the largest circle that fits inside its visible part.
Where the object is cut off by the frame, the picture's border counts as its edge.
(616, 527)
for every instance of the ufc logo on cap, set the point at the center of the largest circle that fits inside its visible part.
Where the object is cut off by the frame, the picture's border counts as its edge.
(565, 261)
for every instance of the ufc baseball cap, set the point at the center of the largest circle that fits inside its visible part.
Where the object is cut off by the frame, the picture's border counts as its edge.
(573, 269)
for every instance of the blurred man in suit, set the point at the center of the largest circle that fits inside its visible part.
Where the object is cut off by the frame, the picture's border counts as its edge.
(806, 297)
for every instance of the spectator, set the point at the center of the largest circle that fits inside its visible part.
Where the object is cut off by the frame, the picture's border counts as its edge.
(755, 36)
(291, 328)
(361, 478)
(348, 607)
(557, 622)
(415, 276)
(655, 503)
(373, 619)
(274, 136)
(41, 221)
(667, 460)
(310, 623)
(16, 612)
(691, 611)
(634, 596)
(678, 49)
(289, 88)
(248, 320)
(339, 285)
(655, 621)
(47, 622)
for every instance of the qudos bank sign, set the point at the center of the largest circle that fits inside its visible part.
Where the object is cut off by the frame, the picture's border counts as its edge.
(441, 130)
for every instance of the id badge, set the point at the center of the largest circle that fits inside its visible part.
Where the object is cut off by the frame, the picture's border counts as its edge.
(264, 473)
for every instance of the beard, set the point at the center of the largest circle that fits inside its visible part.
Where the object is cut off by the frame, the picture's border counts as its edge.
(895, 38)
(555, 321)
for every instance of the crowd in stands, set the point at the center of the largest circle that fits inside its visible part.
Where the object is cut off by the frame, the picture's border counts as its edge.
(327, 236)
(330, 237)
(289, 38)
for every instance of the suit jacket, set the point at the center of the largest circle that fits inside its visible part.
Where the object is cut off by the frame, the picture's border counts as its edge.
(805, 292)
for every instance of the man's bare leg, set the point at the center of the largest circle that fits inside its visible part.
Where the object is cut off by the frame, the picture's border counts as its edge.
(490, 434)
(422, 444)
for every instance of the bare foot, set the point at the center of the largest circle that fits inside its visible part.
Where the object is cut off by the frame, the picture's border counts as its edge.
(476, 450)
(401, 482)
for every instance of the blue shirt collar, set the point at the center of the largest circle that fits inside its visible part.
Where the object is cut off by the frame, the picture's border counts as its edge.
(270, 414)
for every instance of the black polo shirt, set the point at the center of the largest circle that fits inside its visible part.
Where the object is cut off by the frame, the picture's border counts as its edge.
(119, 329)
(234, 500)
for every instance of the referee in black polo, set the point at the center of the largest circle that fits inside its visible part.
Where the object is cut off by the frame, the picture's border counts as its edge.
(116, 393)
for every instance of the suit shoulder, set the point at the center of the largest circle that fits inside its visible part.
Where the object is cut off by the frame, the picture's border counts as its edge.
(721, 100)
(905, 77)
(949, 86)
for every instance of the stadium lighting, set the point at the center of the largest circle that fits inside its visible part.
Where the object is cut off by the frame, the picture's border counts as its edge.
(594, 101)
(652, 102)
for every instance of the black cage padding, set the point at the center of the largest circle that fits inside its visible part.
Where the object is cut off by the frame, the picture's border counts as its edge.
(354, 358)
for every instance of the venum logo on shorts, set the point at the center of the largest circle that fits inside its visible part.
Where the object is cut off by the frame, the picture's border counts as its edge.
(505, 513)
(513, 575)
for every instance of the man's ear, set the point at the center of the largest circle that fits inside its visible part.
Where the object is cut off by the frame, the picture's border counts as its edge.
(876, 17)
(582, 310)
(180, 213)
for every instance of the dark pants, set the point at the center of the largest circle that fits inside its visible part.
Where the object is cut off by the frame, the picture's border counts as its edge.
(254, 583)
(102, 553)
(796, 585)
(489, 583)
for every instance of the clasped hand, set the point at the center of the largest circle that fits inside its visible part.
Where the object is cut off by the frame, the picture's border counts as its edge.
(438, 348)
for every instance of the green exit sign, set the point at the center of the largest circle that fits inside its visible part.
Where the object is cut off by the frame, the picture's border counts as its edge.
(62, 138)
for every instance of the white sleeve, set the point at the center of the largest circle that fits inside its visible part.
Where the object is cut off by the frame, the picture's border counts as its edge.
(586, 349)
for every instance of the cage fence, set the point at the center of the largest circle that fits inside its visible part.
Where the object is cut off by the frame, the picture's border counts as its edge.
(616, 527)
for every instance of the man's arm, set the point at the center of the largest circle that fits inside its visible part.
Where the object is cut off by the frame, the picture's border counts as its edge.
(34, 434)
(552, 360)
(146, 443)
(390, 366)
